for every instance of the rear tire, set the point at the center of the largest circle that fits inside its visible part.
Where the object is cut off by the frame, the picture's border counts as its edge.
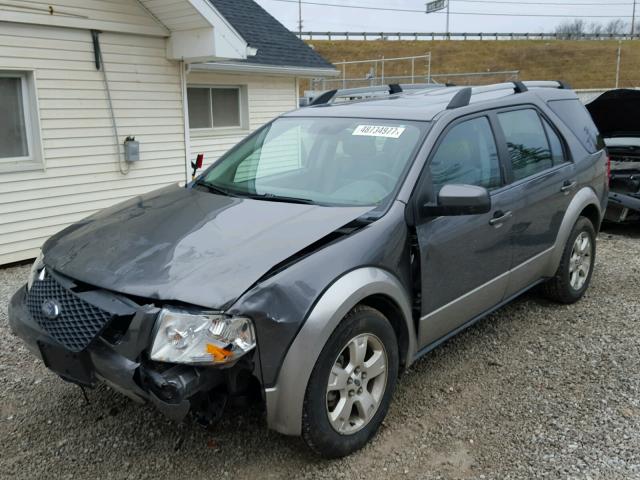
(351, 385)
(573, 276)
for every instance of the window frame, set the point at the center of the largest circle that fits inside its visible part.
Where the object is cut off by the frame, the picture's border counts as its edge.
(425, 182)
(566, 153)
(510, 181)
(243, 111)
(35, 159)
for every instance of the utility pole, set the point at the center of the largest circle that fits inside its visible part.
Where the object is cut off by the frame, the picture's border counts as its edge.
(448, 6)
(300, 18)
(633, 19)
(618, 63)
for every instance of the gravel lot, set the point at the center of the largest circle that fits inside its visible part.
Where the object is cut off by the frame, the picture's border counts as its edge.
(535, 391)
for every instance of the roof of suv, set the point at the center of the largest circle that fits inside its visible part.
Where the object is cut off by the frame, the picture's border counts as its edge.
(424, 105)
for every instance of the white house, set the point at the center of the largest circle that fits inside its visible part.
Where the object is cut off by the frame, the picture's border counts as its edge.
(181, 76)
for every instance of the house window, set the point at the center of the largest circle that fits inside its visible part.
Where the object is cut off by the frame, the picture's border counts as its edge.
(19, 129)
(215, 107)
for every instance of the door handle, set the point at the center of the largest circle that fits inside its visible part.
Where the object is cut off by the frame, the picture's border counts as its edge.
(568, 186)
(499, 218)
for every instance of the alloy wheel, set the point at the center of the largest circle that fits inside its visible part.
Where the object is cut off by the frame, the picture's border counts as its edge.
(357, 384)
(580, 261)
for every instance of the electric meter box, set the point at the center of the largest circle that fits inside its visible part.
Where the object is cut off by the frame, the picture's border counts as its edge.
(131, 150)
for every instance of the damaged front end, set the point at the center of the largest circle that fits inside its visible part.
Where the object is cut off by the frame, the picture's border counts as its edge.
(89, 335)
(616, 115)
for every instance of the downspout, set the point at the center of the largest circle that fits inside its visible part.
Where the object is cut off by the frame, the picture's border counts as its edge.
(184, 70)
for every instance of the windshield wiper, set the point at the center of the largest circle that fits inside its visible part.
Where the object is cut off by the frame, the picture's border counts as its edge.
(270, 197)
(257, 196)
(215, 189)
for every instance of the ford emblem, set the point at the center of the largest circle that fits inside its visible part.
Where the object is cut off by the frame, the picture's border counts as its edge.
(51, 309)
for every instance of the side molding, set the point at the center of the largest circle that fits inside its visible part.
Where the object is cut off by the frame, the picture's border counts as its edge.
(582, 199)
(285, 400)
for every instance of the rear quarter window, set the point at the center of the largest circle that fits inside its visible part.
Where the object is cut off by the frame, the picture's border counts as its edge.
(577, 118)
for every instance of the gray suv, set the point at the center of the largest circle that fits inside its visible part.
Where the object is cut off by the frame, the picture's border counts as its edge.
(323, 255)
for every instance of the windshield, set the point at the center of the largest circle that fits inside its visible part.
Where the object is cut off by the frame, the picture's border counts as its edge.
(325, 161)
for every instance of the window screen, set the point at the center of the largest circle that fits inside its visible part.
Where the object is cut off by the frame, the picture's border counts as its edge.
(13, 129)
(577, 118)
(467, 155)
(226, 107)
(199, 101)
(527, 142)
(213, 107)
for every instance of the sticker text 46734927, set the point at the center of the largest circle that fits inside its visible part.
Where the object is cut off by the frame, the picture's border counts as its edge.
(378, 131)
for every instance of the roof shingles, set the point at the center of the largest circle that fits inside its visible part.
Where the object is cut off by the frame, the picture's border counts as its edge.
(276, 45)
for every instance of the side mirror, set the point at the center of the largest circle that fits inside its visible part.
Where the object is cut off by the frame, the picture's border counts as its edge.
(455, 200)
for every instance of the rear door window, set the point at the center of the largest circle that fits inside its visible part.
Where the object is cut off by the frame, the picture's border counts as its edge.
(527, 142)
(577, 118)
(467, 155)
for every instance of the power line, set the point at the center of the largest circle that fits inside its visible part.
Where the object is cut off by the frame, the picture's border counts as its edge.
(568, 4)
(488, 14)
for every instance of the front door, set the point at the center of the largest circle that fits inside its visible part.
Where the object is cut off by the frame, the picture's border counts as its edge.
(464, 260)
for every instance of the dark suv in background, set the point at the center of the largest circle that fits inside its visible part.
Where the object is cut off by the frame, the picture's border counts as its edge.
(324, 254)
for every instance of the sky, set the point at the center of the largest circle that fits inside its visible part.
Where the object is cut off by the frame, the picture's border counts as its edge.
(325, 18)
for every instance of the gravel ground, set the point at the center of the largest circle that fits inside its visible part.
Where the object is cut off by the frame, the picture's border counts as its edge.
(536, 390)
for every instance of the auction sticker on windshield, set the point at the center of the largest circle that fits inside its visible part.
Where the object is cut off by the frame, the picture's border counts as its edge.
(378, 131)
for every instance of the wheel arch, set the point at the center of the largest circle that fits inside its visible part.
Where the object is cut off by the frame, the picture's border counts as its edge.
(584, 203)
(392, 311)
(369, 286)
(593, 214)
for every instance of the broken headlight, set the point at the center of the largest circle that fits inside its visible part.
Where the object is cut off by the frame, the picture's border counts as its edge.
(204, 338)
(36, 268)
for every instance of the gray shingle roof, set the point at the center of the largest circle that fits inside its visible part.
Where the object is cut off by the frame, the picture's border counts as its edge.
(276, 45)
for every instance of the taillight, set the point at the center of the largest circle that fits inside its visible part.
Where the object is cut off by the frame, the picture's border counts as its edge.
(608, 168)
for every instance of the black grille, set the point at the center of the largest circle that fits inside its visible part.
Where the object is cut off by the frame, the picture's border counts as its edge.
(77, 322)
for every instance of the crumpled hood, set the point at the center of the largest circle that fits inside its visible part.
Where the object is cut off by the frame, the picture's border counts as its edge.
(187, 245)
(616, 113)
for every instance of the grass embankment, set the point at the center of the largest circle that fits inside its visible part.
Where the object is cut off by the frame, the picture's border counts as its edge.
(584, 64)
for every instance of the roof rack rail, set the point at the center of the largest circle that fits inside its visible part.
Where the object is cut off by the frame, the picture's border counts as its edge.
(355, 93)
(461, 99)
(368, 92)
(520, 87)
(395, 88)
(324, 98)
(562, 85)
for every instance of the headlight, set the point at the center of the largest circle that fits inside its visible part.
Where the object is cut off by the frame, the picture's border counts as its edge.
(37, 266)
(201, 338)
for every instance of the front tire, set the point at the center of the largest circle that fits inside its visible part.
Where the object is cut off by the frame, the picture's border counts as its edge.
(351, 385)
(576, 266)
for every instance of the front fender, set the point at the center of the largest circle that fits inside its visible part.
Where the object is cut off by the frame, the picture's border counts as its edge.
(285, 400)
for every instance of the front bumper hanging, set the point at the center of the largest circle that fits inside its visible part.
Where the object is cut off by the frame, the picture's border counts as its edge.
(116, 356)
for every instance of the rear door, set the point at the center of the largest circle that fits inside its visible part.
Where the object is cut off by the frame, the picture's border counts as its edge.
(464, 260)
(542, 181)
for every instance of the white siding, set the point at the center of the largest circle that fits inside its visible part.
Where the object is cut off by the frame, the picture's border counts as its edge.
(81, 171)
(268, 97)
(112, 15)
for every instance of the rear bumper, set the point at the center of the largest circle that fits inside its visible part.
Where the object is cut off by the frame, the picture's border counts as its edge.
(623, 208)
(624, 196)
(171, 388)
